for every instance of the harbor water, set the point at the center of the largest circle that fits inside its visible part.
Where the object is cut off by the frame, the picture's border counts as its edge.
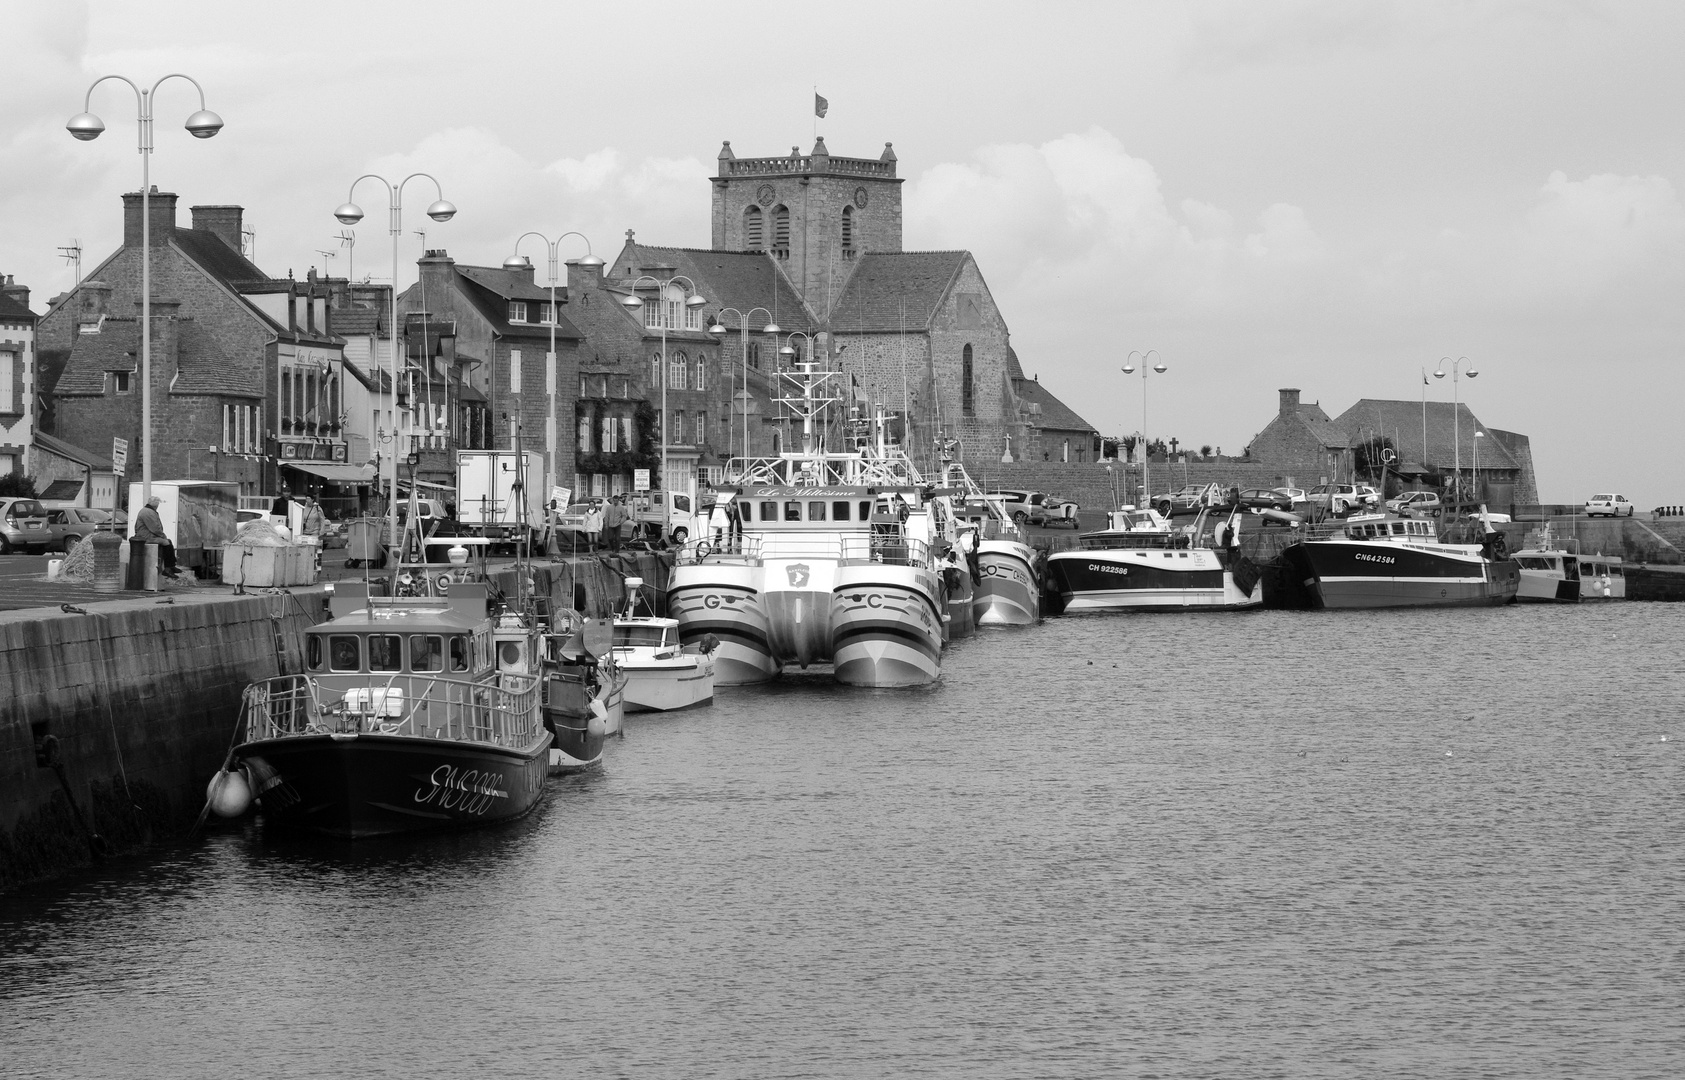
(1356, 844)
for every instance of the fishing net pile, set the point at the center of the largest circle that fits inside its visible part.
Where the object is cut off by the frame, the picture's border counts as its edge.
(260, 533)
(78, 569)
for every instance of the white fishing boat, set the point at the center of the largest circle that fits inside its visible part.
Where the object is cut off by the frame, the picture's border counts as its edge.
(1554, 571)
(1141, 562)
(1004, 567)
(662, 674)
(818, 558)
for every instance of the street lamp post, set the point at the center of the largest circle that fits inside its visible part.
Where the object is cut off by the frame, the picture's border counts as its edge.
(632, 301)
(1129, 369)
(349, 213)
(553, 375)
(1457, 372)
(719, 330)
(201, 125)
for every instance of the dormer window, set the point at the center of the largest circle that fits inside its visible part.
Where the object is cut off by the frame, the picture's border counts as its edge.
(546, 313)
(517, 311)
(120, 381)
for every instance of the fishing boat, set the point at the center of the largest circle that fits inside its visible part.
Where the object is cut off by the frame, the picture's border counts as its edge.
(1381, 560)
(1554, 571)
(409, 715)
(661, 674)
(818, 559)
(1140, 562)
(1003, 565)
(584, 690)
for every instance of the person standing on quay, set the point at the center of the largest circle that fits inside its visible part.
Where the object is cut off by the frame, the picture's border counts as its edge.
(613, 518)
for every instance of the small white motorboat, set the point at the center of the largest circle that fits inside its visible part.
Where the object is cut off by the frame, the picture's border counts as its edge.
(661, 674)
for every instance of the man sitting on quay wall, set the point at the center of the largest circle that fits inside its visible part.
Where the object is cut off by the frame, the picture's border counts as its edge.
(149, 529)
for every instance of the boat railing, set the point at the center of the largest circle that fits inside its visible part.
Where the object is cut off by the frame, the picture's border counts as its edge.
(728, 547)
(501, 712)
(893, 550)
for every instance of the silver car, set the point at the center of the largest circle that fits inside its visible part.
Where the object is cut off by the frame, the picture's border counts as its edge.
(23, 526)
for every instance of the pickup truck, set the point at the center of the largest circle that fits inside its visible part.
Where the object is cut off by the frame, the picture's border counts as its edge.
(648, 510)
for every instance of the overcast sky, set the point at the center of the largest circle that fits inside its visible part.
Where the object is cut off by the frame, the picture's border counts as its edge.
(1330, 196)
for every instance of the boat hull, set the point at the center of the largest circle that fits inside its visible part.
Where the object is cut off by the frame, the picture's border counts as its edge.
(668, 687)
(724, 600)
(567, 713)
(1545, 587)
(796, 595)
(1345, 574)
(1008, 593)
(354, 786)
(1146, 580)
(886, 627)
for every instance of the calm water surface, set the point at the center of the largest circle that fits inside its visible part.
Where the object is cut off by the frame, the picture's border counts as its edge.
(1437, 844)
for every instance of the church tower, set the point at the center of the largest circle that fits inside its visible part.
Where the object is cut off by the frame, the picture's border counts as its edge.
(816, 214)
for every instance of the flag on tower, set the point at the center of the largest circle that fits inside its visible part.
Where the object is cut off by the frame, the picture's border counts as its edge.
(819, 106)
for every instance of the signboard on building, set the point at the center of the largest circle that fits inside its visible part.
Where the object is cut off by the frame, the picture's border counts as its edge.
(640, 479)
(119, 456)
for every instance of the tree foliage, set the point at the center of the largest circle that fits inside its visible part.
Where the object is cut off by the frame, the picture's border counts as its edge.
(17, 485)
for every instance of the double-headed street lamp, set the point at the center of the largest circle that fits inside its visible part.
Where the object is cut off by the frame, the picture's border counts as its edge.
(719, 330)
(1129, 369)
(201, 125)
(663, 313)
(553, 375)
(349, 213)
(1457, 371)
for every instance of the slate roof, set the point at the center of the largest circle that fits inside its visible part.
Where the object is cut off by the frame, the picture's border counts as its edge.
(743, 280)
(1055, 414)
(511, 284)
(890, 291)
(1328, 434)
(347, 321)
(493, 304)
(1402, 420)
(92, 355)
(207, 249)
(204, 367)
(71, 452)
(12, 311)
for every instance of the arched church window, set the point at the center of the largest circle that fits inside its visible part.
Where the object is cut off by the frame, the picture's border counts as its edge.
(752, 237)
(781, 230)
(848, 228)
(967, 404)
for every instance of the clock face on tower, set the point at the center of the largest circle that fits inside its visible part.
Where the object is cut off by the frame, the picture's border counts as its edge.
(764, 195)
(860, 197)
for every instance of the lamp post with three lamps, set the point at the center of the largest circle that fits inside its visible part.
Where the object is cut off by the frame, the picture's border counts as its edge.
(349, 213)
(552, 376)
(85, 126)
(1457, 372)
(663, 313)
(1129, 369)
(719, 330)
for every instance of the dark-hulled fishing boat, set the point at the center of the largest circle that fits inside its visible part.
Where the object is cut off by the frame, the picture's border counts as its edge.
(410, 715)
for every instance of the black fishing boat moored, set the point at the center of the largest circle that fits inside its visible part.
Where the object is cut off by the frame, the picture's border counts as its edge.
(408, 716)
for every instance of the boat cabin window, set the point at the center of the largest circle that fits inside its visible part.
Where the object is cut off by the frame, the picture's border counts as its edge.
(638, 636)
(816, 511)
(792, 511)
(427, 652)
(1535, 562)
(769, 511)
(1398, 528)
(386, 652)
(459, 653)
(344, 653)
(839, 511)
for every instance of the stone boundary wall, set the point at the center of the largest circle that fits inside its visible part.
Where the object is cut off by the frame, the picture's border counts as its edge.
(1091, 485)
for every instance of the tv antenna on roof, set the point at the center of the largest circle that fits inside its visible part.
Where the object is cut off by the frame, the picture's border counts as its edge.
(72, 254)
(348, 241)
(248, 243)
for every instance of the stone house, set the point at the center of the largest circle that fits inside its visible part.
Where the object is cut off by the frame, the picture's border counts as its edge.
(242, 363)
(17, 379)
(1304, 443)
(1504, 459)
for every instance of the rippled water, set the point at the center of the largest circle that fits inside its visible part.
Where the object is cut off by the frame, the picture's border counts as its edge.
(1272, 844)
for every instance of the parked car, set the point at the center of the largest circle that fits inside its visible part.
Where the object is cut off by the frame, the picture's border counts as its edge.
(69, 524)
(23, 526)
(1061, 511)
(1609, 506)
(1297, 495)
(1188, 499)
(1024, 506)
(1340, 499)
(1415, 503)
(1261, 499)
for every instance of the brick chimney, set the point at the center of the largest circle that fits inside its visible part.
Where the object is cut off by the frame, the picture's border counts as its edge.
(1289, 402)
(225, 221)
(93, 305)
(163, 204)
(581, 280)
(14, 291)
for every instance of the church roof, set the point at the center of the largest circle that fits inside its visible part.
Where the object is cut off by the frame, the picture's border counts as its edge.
(1447, 425)
(1055, 414)
(899, 290)
(743, 280)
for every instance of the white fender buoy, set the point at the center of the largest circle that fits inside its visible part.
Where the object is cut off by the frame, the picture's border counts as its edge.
(228, 793)
(598, 724)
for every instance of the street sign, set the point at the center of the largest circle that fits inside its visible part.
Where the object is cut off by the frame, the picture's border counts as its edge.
(640, 479)
(120, 455)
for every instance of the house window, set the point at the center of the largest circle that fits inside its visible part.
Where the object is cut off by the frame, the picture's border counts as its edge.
(228, 428)
(781, 230)
(701, 427)
(517, 311)
(514, 371)
(121, 380)
(546, 313)
(609, 429)
(755, 355)
(676, 368)
(678, 427)
(584, 433)
(702, 373)
(693, 317)
(753, 240)
(8, 372)
(967, 404)
(583, 392)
